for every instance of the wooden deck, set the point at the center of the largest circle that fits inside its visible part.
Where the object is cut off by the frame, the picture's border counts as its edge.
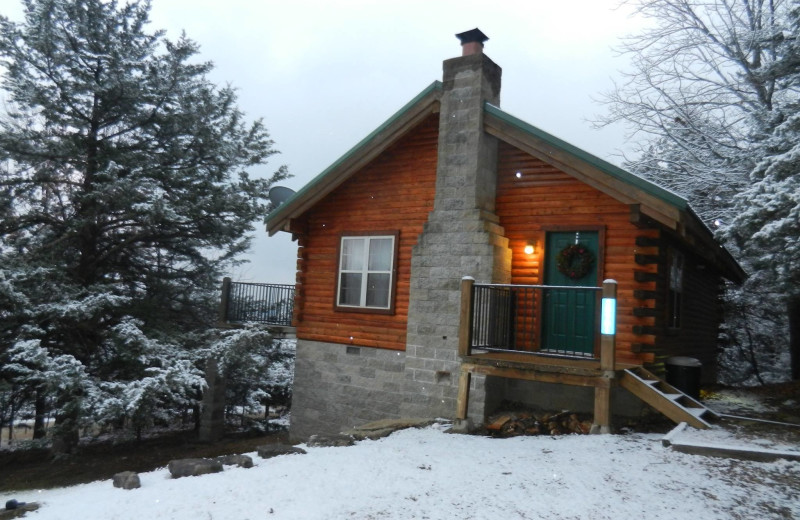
(587, 372)
(533, 366)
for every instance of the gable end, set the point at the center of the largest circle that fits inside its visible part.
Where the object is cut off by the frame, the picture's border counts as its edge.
(398, 125)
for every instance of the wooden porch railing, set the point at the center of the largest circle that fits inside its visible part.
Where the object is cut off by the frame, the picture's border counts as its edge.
(271, 304)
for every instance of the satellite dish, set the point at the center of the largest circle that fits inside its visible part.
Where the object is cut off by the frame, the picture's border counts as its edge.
(279, 194)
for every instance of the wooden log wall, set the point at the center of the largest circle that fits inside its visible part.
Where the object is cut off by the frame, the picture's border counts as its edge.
(544, 197)
(701, 315)
(394, 192)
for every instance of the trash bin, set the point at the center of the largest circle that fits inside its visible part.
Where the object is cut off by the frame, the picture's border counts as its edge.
(684, 374)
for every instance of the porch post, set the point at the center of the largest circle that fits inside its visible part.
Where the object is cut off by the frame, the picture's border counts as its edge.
(608, 326)
(465, 315)
(462, 401)
(462, 423)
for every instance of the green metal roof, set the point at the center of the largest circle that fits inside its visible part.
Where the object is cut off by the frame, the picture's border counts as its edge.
(604, 166)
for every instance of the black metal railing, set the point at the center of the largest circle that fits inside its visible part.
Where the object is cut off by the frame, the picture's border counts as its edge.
(534, 318)
(267, 303)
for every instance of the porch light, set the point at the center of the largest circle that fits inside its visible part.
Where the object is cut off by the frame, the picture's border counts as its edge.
(609, 316)
(530, 248)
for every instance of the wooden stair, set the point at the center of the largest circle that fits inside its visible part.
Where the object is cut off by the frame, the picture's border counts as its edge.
(665, 398)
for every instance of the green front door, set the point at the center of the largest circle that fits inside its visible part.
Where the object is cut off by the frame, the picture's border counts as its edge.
(568, 316)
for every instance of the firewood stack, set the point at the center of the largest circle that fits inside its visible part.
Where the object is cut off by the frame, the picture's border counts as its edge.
(513, 424)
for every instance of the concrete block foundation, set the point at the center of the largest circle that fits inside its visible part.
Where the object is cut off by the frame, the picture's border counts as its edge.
(339, 387)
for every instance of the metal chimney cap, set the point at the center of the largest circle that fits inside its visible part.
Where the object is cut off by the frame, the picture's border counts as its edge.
(475, 35)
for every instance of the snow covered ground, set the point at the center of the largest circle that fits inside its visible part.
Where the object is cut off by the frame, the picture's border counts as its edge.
(428, 474)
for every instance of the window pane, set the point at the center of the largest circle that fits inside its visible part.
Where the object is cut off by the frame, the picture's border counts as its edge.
(378, 290)
(352, 254)
(380, 254)
(676, 272)
(350, 289)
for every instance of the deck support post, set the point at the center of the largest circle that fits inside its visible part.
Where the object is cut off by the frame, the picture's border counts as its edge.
(462, 401)
(223, 304)
(465, 316)
(462, 423)
(602, 408)
(602, 392)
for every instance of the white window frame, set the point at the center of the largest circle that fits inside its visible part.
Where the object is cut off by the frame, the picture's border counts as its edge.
(365, 272)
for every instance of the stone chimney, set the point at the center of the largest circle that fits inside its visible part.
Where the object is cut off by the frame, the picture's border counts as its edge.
(462, 236)
(470, 155)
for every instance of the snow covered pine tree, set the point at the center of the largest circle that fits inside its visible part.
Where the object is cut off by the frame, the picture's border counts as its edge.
(123, 196)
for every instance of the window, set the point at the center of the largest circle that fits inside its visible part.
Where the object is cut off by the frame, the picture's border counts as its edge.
(675, 289)
(366, 272)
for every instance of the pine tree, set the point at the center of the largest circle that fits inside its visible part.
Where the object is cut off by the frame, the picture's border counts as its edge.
(123, 193)
(258, 369)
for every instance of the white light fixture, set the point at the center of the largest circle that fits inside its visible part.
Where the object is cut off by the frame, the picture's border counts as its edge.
(608, 320)
(530, 248)
(608, 310)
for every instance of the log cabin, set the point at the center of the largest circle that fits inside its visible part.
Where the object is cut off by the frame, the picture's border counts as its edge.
(455, 258)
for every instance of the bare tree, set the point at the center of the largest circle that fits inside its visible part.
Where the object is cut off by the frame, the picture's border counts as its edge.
(711, 85)
(696, 97)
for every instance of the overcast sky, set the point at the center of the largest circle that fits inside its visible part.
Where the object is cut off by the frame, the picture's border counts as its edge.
(323, 75)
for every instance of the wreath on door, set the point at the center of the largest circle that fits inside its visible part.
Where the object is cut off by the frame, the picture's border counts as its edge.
(575, 261)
